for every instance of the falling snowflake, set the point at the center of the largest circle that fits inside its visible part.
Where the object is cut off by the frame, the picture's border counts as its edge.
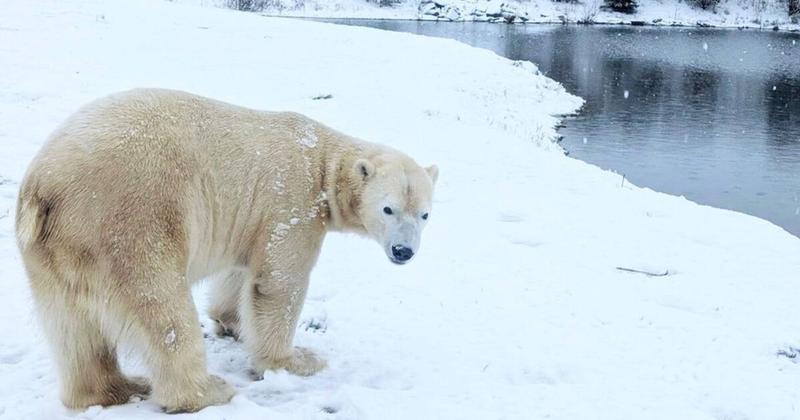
(626, 94)
(705, 46)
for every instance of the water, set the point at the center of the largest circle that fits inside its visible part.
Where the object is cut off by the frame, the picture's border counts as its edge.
(713, 115)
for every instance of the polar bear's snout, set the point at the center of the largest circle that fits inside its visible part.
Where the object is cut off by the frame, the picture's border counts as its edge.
(402, 237)
(401, 254)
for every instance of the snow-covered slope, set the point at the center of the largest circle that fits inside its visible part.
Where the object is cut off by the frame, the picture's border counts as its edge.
(514, 307)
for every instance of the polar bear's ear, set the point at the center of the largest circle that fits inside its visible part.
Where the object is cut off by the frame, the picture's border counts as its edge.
(433, 172)
(363, 169)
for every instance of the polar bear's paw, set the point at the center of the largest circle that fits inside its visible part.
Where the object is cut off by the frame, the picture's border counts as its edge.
(216, 392)
(302, 362)
(113, 390)
(137, 386)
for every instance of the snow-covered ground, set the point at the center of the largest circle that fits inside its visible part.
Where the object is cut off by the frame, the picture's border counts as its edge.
(763, 14)
(514, 307)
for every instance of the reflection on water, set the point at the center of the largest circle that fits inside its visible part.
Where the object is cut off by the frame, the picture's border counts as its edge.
(713, 115)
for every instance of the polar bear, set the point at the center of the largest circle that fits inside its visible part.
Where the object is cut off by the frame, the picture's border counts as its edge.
(141, 194)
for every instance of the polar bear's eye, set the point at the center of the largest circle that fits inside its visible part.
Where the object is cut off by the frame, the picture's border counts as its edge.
(387, 210)
(425, 216)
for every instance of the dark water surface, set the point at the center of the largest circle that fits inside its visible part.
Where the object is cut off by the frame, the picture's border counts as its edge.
(710, 114)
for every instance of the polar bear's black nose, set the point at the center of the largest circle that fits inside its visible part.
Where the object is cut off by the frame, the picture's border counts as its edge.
(401, 253)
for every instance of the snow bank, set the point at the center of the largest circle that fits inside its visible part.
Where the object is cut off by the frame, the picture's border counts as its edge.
(728, 13)
(514, 307)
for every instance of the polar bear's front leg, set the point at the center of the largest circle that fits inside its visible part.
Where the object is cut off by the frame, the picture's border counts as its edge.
(270, 306)
(224, 298)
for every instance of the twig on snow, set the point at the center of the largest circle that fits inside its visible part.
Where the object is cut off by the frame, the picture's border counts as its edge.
(791, 353)
(646, 273)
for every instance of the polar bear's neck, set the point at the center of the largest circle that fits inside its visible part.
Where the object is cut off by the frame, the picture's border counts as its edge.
(343, 192)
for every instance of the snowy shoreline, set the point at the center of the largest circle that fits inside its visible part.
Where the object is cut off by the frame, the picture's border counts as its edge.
(740, 14)
(791, 29)
(527, 298)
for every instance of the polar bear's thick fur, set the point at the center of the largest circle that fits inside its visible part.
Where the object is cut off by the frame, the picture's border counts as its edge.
(140, 194)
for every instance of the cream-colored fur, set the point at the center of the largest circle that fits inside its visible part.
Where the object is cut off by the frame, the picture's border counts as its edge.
(140, 194)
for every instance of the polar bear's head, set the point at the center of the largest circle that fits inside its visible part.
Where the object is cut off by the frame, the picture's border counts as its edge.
(395, 203)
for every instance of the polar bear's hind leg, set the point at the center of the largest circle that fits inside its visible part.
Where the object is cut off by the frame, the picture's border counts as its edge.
(86, 359)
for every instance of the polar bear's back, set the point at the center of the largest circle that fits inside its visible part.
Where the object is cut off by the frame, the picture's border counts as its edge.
(151, 124)
(144, 140)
